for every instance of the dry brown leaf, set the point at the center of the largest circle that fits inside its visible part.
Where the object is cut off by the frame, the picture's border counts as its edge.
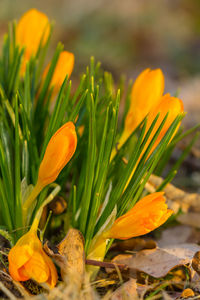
(134, 244)
(178, 235)
(127, 291)
(190, 218)
(176, 198)
(72, 249)
(196, 262)
(158, 262)
(70, 257)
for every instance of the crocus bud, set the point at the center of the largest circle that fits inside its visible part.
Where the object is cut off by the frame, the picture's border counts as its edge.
(32, 29)
(148, 214)
(27, 260)
(64, 67)
(145, 96)
(59, 151)
(171, 105)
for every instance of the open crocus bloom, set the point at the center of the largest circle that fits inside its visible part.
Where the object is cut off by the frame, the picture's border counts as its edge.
(32, 30)
(148, 214)
(27, 260)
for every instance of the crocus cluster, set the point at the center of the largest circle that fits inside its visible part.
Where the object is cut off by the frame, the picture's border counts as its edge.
(27, 259)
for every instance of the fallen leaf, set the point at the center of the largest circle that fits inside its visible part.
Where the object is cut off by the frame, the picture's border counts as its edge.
(196, 262)
(70, 257)
(178, 235)
(127, 291)
(190, 218)
(176, 198)
(158, 262)
(72, 249)
(134, 244)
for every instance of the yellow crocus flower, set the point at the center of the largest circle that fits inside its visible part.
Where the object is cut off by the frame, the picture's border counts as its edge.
(145, 96)
(59, 151)
(147, 214)
(27, 260)
(32, 29)
(168, 104)
(64, 67)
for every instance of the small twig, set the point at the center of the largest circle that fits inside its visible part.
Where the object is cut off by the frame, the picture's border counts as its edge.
(7, 292)
(104, 264)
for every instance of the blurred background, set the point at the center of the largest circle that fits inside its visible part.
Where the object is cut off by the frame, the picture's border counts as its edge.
(128, 36)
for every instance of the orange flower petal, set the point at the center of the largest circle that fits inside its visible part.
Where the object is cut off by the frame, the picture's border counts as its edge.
(17, 274)
(53, 278)
(20, 255)
(37, 268)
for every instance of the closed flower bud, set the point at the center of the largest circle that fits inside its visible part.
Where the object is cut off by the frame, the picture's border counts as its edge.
(32, 29)
(59, 151)
(145, 96)
(171, 105)
(148, 214)
(64, 67)
(27, 260)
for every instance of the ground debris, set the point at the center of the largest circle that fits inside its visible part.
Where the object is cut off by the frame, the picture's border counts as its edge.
(160, 261)
(190, 218)
(134, 244)
(177, 199)
(70, 256)
(178, 234)
(128, 290)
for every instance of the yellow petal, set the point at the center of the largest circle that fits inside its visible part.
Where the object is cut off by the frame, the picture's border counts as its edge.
(37, 268)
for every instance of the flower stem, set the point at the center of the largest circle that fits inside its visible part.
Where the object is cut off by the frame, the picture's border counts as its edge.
(33, 195)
